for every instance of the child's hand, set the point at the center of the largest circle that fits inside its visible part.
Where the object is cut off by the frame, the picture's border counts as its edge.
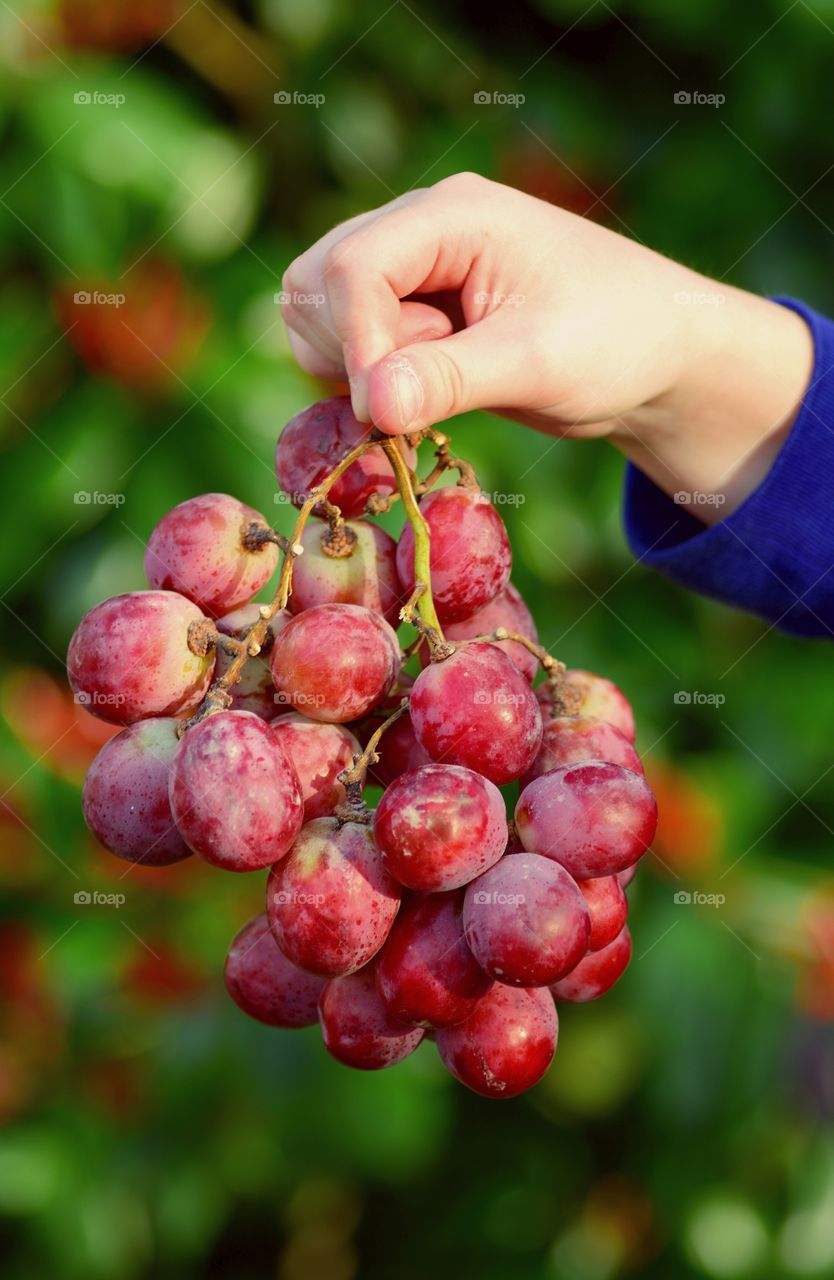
(566, 326)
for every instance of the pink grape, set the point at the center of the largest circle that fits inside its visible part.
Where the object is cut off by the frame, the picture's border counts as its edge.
(331, 903)
(254, 690)
(129, 658)
(315, 440)
(506, 1045)
(596, 973)
(608, 909)
(125, 797)
(476, 709)
(198, 549)
(596, 696)
(507, 610)
(573, 739)
(367, 576)
(470, 554)
(335, 662)
(426, 973)
(526, 921)
(625, 877)
(319, 753)
(439, 826)
(357, 1029)
(265, 984)
(593, 818)
(234, 793)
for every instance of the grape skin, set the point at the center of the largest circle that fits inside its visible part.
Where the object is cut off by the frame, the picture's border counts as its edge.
(506, 1045)
(265, 984)
(253, 690)
(356, 1027)
(319, 753)
(507, 610)
(574, 739)
(368, 576)
(596, 973)
(608, 908)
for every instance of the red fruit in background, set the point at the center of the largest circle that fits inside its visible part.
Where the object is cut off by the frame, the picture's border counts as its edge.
(319, 753)
(440, 826)
(331, 903)
(426, 973)
(51, 724)
(265, 984)
(690, 828)
(588, 695)
(574, 739)
(144, 341)
(534, 169)
(596, 973)
(506, 1045)
(595, 819)
(129, 658)
(507, 610)
(125, 796)
(120, 26)
(607, 906)
(476, 709)
(356, 1027)
(199, 550)
(254, 691)
(335, 662)
(234, 793)
(526, 921)
(470, 552)
(315, 440)
(366, 576)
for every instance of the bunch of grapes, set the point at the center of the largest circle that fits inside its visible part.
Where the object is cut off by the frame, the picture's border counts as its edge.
(253, 729)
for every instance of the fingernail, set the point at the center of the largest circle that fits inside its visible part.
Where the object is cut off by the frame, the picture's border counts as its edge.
(359, 399)
(408, 391)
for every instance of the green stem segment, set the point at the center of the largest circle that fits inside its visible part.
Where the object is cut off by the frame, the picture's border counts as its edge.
(422, 538)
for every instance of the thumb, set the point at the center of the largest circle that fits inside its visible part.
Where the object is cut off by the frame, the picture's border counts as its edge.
(425, 383)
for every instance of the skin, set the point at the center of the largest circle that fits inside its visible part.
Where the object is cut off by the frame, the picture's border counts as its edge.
(594, 340)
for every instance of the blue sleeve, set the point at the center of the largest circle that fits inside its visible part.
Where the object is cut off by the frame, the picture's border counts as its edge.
(774, 556)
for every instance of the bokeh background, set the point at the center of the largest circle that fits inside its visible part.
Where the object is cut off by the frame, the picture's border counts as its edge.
(148, 1128)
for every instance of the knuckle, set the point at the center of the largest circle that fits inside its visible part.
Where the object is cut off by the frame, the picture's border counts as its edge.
(341, 261)
(465, 183)
(451, 383)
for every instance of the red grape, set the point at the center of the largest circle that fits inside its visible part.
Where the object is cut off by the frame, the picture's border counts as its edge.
(426, 973)
(129, 658)
(234, 793)
(319, 753)
(265, 984)
(198, 549)
(315, 440)
(574, 739)
(335, 662)
(507, 610)
(125, 795)
(526, 921)
(367, 576)
(506, 1045)
(331, 903)
(592, 695)
(476, 709)
(439, 826)
(596, 973)
(594, 818)
(356, 1027)
(625, 877)
(608, 908)
(254, 690)
(470, 554)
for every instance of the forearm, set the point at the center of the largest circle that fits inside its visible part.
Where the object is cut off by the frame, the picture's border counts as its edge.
(713, 437)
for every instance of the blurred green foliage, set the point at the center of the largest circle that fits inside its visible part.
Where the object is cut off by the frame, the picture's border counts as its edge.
(150, 1130)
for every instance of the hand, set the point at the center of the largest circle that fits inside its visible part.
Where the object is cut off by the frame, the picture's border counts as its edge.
(561, 324)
